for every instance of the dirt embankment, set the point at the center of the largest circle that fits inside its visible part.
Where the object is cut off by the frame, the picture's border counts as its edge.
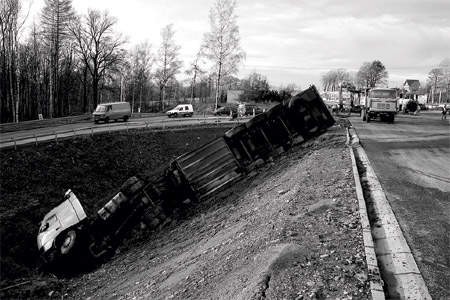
(290, 231)
(34, 179)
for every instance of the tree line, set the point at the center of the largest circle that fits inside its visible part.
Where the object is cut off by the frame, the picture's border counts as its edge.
(369, 75)
(70, 62)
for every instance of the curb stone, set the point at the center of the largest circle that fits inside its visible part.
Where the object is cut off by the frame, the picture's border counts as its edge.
(398, 268)
(375, 281)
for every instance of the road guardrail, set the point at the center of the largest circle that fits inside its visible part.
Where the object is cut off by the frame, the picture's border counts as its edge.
(108, 127)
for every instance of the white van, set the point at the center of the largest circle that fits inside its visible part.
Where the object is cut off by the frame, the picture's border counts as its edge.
(112, 111)
(181, 110)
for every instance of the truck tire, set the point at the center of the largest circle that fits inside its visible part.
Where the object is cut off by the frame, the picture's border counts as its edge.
(68, 242)
(131, 186)
(125, 119)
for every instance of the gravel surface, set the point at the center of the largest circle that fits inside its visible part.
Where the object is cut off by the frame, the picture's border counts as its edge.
(291, 230)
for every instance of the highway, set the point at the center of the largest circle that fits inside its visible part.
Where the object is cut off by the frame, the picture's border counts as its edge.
(15, 138)
(412, 161)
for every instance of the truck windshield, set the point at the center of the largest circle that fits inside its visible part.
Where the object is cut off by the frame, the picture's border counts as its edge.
(100, 108)
(382, 94)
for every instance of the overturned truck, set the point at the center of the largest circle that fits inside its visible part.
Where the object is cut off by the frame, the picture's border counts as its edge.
(66, 232)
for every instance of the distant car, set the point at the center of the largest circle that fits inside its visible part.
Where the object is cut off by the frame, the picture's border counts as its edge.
(225, 110)
(181, 110)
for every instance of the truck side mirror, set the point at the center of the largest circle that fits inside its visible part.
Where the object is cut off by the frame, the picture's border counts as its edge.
(67, 194)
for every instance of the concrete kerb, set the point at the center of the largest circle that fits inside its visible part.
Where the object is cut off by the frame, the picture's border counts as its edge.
(398, 268)
(375, 281)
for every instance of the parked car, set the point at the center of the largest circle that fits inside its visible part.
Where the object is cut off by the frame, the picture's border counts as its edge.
(112, 111)
(181, 110)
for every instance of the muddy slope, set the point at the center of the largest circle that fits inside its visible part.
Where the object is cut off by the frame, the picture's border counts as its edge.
(34, 179)
(290, 231)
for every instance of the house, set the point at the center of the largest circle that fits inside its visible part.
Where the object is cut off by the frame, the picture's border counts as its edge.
(411, 85)
(411, 88)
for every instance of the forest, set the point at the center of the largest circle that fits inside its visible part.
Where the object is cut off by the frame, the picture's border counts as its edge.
(67, 63)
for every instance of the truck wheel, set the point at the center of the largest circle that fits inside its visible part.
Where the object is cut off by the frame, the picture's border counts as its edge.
(175, 115)
(130, 186)
(68, 242)
(391, 119)
(125, 119)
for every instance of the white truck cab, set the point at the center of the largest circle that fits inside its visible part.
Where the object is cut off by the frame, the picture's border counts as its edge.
(181, 110)
(379, 103)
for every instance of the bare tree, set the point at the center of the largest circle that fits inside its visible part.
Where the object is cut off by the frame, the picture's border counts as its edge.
(333, 79)
(98, 45)
(222, 43)
(9, 11)
(435, 77)
(56, 17)
(10, 27)
(445, 66)
(167, 61)
(371, 74)
(195, 70)
(141, 67)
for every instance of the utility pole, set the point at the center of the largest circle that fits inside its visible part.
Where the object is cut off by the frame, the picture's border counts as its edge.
(121, 88)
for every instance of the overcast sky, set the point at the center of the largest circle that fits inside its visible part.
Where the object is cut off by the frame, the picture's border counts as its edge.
(295, 41)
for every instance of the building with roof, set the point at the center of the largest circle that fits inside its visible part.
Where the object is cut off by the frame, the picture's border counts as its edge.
(411, 88)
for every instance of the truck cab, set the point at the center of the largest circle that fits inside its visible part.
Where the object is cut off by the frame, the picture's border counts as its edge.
(380, 103)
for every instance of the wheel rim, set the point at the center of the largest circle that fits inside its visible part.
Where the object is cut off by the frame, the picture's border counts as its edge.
(68, 242)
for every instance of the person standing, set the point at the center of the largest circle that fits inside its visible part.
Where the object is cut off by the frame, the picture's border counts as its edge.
(444, 112)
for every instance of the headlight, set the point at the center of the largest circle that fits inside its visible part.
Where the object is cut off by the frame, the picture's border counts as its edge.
(48, 223)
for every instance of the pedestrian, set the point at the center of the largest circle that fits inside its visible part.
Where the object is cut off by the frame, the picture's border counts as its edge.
(444, 112)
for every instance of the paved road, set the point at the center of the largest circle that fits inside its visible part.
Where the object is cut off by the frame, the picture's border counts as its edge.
(412, 161)
(61, 131)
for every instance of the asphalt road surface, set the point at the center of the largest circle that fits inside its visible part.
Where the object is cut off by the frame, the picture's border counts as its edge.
(61, 131)
(412, 161)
